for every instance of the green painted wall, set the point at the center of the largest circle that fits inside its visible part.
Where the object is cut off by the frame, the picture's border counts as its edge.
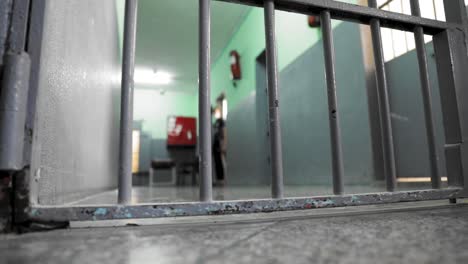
(120, 9)
(152, 107)
(408, 114)
(294, 37)
(304, 120)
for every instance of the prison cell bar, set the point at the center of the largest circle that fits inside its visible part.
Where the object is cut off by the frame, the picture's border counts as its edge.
(333, 113)
(277, 170)
(204, 101)
(355, 13)
(273, 101)
(427, 98)
(451, 57)
(383, 103)
(126, 110)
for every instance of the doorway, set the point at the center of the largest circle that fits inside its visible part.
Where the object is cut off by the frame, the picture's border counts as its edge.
(261, 109)
(220, 140)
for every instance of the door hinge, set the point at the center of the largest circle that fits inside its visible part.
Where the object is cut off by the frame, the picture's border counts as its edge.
(13, 107)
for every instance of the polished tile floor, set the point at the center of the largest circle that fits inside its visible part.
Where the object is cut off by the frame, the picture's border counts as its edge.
(431, 235)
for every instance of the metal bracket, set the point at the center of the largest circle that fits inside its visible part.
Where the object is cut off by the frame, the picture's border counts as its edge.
(13, 97)
(13, 101)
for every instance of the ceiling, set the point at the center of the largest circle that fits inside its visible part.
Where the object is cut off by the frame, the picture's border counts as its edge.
(167, 38)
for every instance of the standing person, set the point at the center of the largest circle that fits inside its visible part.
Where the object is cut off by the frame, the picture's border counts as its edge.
(219, 148)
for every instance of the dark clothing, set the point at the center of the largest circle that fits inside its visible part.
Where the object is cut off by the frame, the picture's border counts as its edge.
(218, 135)
(217, 148)
(219, 166)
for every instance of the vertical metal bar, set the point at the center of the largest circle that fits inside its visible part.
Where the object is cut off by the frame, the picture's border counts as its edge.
(455, 12)
(14, 83)
(335, 134)
(384, 103)
(452, 61)
(427, 98)
(273, 101)
(126, 110)
(204, 101)
(34, 49)
(451, 64)
(378, 169)
(5, 19)
(19, 24)
(13, 107)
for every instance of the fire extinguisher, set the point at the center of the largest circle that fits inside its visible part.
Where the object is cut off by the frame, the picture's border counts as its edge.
(235, 65)
(314, 21)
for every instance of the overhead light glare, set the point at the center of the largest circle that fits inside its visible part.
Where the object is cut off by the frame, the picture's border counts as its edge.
(150, 77)
(418, 179)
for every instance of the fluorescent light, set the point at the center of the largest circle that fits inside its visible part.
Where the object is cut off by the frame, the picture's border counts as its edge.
(150, 77)
(225, 109)
(418, 179)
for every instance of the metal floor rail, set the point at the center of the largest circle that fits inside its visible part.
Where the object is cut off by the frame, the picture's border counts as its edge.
(449, 39)
(150, 210)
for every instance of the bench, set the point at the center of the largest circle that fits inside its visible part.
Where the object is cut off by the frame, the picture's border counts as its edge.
(163, 164)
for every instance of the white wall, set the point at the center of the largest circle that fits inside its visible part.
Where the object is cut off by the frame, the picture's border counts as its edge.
(75, 145)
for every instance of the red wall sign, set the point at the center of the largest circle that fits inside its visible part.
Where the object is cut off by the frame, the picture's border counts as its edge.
(181, 131)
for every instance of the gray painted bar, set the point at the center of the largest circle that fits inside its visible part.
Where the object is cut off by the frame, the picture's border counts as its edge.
(126, 111)
(427, 97)
(334, 121)
(355, 13)
(384, 104)
(273, 101)
(204, 101)
(452, 61)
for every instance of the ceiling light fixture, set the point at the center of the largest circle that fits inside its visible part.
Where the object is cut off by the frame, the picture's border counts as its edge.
(146, 76)
(418, 179)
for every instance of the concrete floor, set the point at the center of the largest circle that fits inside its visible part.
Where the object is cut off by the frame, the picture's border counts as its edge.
(428, 235)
